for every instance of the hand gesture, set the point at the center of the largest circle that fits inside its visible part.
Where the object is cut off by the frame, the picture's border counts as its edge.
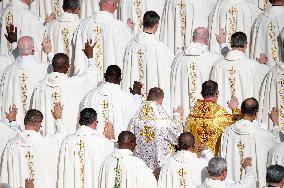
(88, 50)
(179, 110)
(57, 111)
(108, 131)
(137, 88)
(233, 103)
(247, 162)
(11, 115)
(221, 37)
(29, 183)
(50, 18)
(274, 115)
(201, 147)
(262, 59)
(46, 45)
(11, 35)
(130, 23)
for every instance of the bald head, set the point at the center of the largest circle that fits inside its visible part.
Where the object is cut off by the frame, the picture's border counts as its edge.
(126, 140)
(25, 46)
(201, 35)
(186, 141)
(250, 107)
(60, 63)
(108, 5)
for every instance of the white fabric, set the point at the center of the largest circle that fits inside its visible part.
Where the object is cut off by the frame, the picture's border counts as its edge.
(180, 18)
(88, 8)
(81, 157)
(189, 71)
(18, 83)
(110, 36)
(223, 17)
(6, 134)
(129, 171)
(236, 75)
(183, 167)
(148, 61)
(271, 95)
(5, 61)
(30, 155)
(3, 4)
(111, 104)
(18, 14)
(262, 4)
(265, 33)
(246, 139)
(42, 8)
(276, 155)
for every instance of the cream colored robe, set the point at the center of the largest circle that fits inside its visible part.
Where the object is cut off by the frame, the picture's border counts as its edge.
(88, 8)
(232, 16)
(81, 157)
(5, 61)
(238, 76)
(122, 169)
(276, 155)
(265, 35)
(6, 134)
(189, 70)
(262, 4)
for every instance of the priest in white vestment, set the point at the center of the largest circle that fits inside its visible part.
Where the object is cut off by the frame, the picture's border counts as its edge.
(111, 103)
(122, 169)
(17, 13)
(217, 169)
(276, 155)
(29, 155)
(156, 132)
(247, 138)
(83, 153)
(20, 79)
(180, 18)
(42, 8)
(148, 60)
(185, 168)
(265, 34)
(109, 35)
(262, 4)
(5, 62)
(61, 30)
(88, 8)
(275, 176)
(232, 16)
(236, 74)
(190, 69)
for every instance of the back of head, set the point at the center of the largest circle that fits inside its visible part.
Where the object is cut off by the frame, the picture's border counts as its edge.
(239, 40)
(155, 94)
(33, 118)
(87, 116)
(108, 5)
(277, 2)
(150, 19)
(113, 74)
(200, 35)
(71, 5)
(209, 89)
(25, 46)
(60, 63)
(186, 141)
(250, 107)
(126, 140)
(275, 174)
(216, 166)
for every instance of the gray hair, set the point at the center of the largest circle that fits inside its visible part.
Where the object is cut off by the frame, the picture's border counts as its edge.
(4, 185)
(216, 166)
(71, 4)
(25, 45)
(104, 1)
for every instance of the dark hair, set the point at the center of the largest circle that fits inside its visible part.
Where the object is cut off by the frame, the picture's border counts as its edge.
(113, 72)
(71, 4)
(185, 141)
(150, 19)
(59, 61)
(87, 116)
(126, 137)
(209, 88)
(155, 93)
(249, 107)
(239, 40)
(274, 174)
(274, 1)
(33, 116)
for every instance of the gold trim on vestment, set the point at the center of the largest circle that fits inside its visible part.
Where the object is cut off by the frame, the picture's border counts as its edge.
(24, 89)
(137, 5)
(29, 156)
(232, 79)
(182, 173)
(182, 6)
(274, 43)
(232, 23)
(81, 153)
(141, 65)
(193, 88)
(99, 49)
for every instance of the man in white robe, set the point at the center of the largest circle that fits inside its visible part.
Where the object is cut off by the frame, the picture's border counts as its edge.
(29, 155)
(88, 8)
(83, 153)
(247, 138)
(180, 18)
(276, 155)
(42, 8)
(236, 74)
(262, 4)
(5, 62)
(17, 13)
(20, 79)
(232, 16)
(156, 132)
(111, 103)
(275, 176)
(190, 70)
(148, 60)
(185, 169)
(217, 169)
(122, 169)
(266, 31)
(109, 35)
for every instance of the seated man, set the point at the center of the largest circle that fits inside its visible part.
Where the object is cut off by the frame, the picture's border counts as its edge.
(275, 176)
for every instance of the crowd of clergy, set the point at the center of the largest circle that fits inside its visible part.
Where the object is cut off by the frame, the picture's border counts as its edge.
(141, 93)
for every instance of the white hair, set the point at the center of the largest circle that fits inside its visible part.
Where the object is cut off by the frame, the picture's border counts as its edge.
(216, 166)
(25, 45)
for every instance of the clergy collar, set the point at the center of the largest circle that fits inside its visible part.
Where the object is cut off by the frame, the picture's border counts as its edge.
(245, 127)
(29, 137)
(143, 37)
(54, 79)
(103, 16)
(25, 61)
(274, 11)
(196, 49)
(18, 3)
(184, 156)
(120, 153)
(67, 17)
(86, 130)
(235, 55)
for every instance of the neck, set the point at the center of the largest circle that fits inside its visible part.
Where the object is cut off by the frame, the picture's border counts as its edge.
(278, 3)
(239, 49)
(217, 178)
(200, 41)
(60, 71)
(149, 30)
(275, 185)
(113, 82)
(190, 149)
(105, 9)
(249, 118)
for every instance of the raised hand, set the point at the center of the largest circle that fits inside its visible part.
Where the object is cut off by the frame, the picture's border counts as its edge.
(274, 115)
(136, 88)
(221, 37)
(130, 23)
(50, 18)
(29, 183)
(88, 50)
(247, 162)
(233, 103)
(11, 35)
(57, 111)
(262, 59)
(179, 110)
(108, 130)
(46, 45)
(11, 115)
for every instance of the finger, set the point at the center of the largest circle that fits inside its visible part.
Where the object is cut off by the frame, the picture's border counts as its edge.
(91, 42)
(6, 36)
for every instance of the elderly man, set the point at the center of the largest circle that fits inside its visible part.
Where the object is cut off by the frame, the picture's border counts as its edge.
(275, 176)
(217, 169)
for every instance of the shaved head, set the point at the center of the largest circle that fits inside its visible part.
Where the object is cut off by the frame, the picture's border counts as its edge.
(60, 63)
(201, 35)
(250, 107)
(25, 46)
(186, 141)
(126, 140)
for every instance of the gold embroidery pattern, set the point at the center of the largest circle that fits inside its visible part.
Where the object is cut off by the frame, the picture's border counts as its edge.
(99, 51)
(29, 156)
(182, 174)
(241, 148)
(81, 153)
(9, 21)
(24, 89)
(181, 6)
(193, 77)
(56, 8)
(280, 84)
(137, 5)
(147, 133)
(232, 23)
(274, 44)
(266, 3)
(65, 34)
(105, 114)
(232, 78)
(140, 54)
(56, 97)
(118, 171)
